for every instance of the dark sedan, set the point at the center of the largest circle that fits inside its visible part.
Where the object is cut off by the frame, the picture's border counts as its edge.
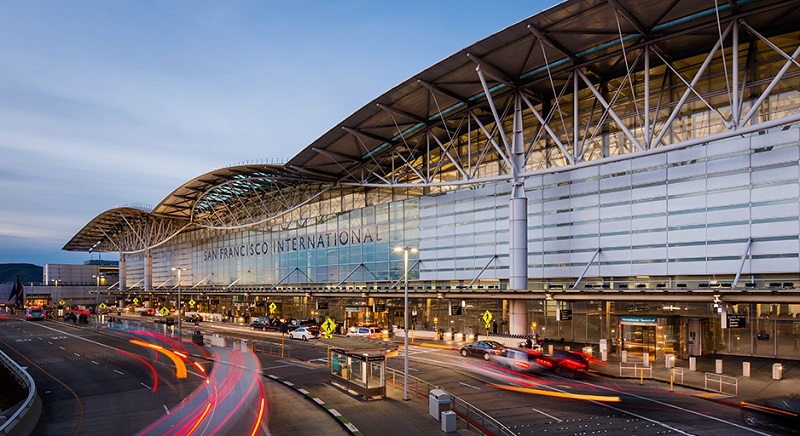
(482, 349)
(777, 414)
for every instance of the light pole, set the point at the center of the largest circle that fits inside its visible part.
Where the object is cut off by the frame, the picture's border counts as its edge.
(96, 300)
(405, 251)
(179, 300)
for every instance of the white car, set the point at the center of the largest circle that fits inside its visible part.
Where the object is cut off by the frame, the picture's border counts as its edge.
(366, 332)
(304, 333)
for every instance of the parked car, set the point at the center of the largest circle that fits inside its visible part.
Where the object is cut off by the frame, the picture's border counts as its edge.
(776, 414)
(264, 323)
(482, 349)
(304, 333)
(365, 332)
(194, 317)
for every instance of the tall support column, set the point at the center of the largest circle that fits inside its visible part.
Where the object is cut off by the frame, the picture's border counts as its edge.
(123, 270)
(518, 229)
(148, 271)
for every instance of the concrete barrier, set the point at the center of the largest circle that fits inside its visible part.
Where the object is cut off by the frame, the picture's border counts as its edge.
(25, 418)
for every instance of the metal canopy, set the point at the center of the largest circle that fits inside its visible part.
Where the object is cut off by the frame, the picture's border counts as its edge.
(392, 139)
(560, 82)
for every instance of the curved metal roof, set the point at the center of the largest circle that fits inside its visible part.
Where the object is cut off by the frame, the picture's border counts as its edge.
(403, 134)
(527, 56)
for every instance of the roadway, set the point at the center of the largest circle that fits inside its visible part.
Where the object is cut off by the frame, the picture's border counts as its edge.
(549, 405)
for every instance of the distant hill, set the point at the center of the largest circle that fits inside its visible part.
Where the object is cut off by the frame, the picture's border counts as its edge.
(27, 273)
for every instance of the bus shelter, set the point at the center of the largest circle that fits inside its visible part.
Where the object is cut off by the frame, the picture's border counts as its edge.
(361, 372)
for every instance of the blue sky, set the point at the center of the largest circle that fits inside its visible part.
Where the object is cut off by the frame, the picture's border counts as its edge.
(111, 103)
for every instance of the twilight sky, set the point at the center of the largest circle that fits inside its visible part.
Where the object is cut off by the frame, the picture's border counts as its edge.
(110, 103)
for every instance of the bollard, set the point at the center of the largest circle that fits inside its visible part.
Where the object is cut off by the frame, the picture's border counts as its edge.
(718, 368)
(624, 356)
(669, 361)
(604, 355)
(777, 371)
(646, 359)
(566, 348)
(549, 349)
(692, 364)
(746, 369)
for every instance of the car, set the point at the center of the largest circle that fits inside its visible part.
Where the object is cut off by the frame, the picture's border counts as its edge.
(194, 317)
(564, 363)
(776, 414)
(365, 332)
(517, 360)
(148, 312)
(262, 323)
(304, 333)
(482, 349)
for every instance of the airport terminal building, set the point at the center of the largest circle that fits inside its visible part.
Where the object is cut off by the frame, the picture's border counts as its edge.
(616, 170)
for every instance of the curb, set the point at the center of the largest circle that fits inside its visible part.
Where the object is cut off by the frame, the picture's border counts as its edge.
(346, 424)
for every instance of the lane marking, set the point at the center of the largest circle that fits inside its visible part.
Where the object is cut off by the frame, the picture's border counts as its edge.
(49, 342)
(77, 354)
(119, 372)
(95, 362)
(146, 387)
(63, 348)
(545, 414)
(470, 386)
(166, 408)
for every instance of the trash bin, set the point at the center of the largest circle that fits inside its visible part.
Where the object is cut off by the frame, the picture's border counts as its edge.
(197, 338)
(438, 402)
(448, 421)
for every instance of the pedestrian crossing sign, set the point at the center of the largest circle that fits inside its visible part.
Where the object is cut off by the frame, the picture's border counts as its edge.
(328, 327)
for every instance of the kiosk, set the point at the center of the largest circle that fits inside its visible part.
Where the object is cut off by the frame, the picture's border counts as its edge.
(361, 372)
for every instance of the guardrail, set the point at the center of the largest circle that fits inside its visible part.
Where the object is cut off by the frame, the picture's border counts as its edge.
(676, 372)
(638, 369)
(475, 418)
(24, 419)
(271, 348)
(723, 380)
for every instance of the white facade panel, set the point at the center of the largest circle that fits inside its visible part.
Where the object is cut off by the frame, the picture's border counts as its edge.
(775, 211)
(766, 176)
(775, 265)
(582, 215)
(789, 246)
(720, 233)
(777, 155)
(727, 181)
(690, 202)
(656, 192)
(648, 207)
(728, 146)
(687, 252)
(775, 192)
(728, 215)
(617, 211)
(688, 235)
(658, 222)
(739, 164)
(784, 228)
(584, 201)
(728, 198)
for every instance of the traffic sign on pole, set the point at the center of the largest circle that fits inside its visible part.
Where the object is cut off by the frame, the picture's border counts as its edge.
(328, 327)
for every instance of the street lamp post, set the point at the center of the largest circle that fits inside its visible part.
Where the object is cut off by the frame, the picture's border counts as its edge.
(179, 300)
(405, 251)
(96, 300)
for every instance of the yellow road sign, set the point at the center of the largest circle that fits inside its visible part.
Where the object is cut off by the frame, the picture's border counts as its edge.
(487, 318)
(103, 306)
(164, 311)
(272, 307)
(62, 302)
(135, 301)
(192, 303)
(328, 327)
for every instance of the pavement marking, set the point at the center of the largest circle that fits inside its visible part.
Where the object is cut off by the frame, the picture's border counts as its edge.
(278, 366)
(146, 387)
(77, 354)
(549, 416)
(63, 348)
(119, 372)
(49, 342)
(95, 362)
(319, 401)
(469, 386)
(305, 392)
(334, 412)
(166, 408)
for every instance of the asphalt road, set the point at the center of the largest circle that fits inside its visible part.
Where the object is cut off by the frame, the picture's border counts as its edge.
(92, 383)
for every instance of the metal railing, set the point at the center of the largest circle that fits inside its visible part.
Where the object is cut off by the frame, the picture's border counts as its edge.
(676, 372)
(474, 418)
(271, 348)
(722, 380)
(637, 368)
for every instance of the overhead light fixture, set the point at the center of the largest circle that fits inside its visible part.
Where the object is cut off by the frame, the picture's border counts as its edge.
(548, 297)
